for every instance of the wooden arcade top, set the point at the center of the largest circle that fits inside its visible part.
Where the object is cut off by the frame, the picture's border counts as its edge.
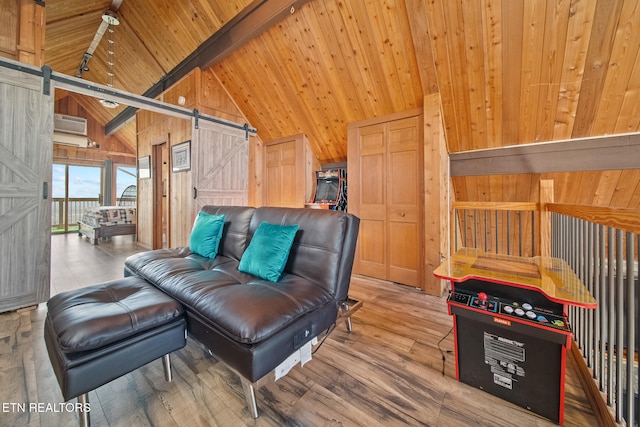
(551, 276)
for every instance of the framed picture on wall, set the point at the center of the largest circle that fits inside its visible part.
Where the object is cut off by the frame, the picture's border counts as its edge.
(144, 167)
(181, 157)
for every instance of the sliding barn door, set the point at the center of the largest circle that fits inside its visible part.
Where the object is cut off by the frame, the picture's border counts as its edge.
(26, 145)
(220, 165)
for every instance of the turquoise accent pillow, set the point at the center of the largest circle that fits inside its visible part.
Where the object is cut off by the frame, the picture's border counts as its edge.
(268, 251)
(206, 234)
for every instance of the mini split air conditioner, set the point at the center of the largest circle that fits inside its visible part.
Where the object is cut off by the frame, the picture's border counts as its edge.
(69, 130)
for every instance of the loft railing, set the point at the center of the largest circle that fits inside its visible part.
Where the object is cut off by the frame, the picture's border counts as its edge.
(601, 245)
(502, 228)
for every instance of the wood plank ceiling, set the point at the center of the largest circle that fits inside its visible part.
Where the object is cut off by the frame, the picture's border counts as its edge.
(507, 72)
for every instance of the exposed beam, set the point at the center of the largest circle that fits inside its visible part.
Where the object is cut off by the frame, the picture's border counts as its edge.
(255, 19)
(612, 152)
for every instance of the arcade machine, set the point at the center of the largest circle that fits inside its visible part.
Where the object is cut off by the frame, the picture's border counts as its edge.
(331, 190)
(511, 331)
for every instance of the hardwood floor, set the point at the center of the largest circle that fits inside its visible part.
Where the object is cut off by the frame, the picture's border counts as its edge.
(387, 372)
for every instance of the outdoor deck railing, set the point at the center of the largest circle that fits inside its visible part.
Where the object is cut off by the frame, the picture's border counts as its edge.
(76, 207)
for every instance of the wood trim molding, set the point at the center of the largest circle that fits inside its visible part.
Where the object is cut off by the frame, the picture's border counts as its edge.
(613, 152)
(546, 197)
(387, 118)
(621, 218)
(497, 206)
(601, 411)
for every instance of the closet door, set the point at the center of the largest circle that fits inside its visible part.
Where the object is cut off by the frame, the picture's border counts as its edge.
(372, 211)
(404, 201)
(281, 175)
(289, 172)
(26, 146)
(386, 171)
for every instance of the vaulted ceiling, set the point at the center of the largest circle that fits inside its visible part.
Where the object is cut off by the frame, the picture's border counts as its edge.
(507, 71)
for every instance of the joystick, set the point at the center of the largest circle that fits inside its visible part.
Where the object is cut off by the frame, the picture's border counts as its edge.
(483, 299)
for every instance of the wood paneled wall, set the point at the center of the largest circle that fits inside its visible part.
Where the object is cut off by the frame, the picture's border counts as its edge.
(617, 188)
(149, 41)
(111, 147)
(154, 129)
(506, 71)
(91, 108)
(329, 64)
(521, 71)
(201, 90)
(436, 194)
(22, 31)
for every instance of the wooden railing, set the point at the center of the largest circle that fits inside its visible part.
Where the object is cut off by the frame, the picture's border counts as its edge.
(503, 228)
(69, 213)
(601, 245)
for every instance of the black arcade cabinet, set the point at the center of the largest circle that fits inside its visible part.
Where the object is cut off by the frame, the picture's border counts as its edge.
(331, 190)
(511, 330)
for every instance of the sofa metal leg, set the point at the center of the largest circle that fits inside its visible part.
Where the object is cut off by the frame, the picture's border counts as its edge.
(349, 324)
(83, 403)
(347, 308)
(166, 363)
(250, 396)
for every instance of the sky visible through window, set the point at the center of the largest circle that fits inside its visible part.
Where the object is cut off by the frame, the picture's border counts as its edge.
(84, 181)
(125, 176)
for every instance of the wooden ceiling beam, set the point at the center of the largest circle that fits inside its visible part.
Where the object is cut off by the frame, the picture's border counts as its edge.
(255, 19)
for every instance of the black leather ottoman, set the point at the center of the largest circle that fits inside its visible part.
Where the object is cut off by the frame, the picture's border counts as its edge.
(99, 333)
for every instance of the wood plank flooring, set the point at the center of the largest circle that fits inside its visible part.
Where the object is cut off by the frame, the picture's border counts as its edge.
(387, 372)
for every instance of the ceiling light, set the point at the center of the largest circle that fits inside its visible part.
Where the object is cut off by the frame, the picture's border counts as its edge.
(111, 21)
(108, 103)
(110, 18)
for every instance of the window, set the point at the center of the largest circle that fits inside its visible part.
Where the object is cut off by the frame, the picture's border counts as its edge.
(74, 189)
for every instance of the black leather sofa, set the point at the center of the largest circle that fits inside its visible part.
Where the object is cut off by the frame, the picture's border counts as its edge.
(249, 323)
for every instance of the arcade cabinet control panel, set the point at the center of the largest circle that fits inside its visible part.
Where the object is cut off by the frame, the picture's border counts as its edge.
(522, 304)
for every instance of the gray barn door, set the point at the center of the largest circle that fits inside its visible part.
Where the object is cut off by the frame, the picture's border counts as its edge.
(26, 135)
(220, 165)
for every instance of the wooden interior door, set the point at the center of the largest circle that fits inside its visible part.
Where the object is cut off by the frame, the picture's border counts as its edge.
(280, 175)
(372, 200)
(219, 165)
(386, 192)
(26, 147)
(160, 175)
(404, 201)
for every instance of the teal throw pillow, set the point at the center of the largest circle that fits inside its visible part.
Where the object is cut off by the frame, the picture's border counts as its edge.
(268, 251)
(206, 234)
